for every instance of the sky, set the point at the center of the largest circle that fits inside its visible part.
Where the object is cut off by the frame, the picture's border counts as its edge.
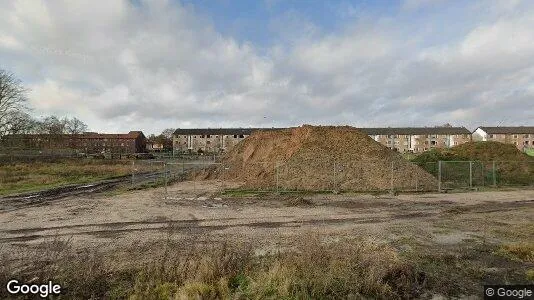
(122, 65)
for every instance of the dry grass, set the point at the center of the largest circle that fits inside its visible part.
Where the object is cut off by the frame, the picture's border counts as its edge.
(24, 177)
(523, 252)
(313, 269)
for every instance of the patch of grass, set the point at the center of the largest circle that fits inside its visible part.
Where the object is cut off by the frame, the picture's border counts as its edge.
(523, 252)
(313, 269)
(27, 177)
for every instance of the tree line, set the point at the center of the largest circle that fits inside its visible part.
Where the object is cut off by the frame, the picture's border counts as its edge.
(14, 116)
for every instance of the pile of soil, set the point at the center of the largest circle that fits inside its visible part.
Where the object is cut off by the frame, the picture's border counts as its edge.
(511, 165)
(479, 151)
(320, 158)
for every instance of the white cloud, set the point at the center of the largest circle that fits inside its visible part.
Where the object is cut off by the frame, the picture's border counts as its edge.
(154, 65)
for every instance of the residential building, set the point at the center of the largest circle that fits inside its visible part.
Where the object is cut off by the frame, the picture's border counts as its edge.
(419, 139)
(520, 136)
(87, 142)
(152, 146)
(210, 140)
(406, 139)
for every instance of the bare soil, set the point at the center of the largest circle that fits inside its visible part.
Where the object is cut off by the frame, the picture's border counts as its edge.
(432, 230)
(319, 158)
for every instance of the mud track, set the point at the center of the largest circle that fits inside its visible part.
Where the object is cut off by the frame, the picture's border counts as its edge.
(200, 226)
(12, 202)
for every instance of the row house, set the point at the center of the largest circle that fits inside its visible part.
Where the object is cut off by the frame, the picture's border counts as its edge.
(407, 139)
(210, 140)
(520, 136)
(419, 139)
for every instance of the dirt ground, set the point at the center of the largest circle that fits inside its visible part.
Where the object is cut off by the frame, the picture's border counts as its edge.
(198, 207)
(415, 224)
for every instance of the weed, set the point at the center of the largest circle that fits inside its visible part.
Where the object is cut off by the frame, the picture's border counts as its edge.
(523, 252)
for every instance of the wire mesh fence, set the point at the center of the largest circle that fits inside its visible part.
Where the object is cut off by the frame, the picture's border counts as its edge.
(340, 176)
(453, 175)
(306, 174)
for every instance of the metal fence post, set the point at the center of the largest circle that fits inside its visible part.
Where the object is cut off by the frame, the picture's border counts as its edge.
(392, 177)
(133, 172)
(439, 176)
(494, 171)
(277, 176)
(165, 178)
(470, 174)
(334, 178)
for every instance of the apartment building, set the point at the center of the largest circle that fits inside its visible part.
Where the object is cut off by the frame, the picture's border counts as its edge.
(87, 142)
(209, 140)
(419, 139)
(521, 136)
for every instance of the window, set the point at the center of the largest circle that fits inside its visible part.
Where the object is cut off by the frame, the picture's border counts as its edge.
(208, 136)
(235, 136)
(202, 136)
(433, 143)
(515, 136)
(208, 142)
(241, 136)
(526, 142)
(490, 136)
(525, 136)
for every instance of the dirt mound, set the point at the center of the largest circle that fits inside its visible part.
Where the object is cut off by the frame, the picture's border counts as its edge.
(320, 158)
(486, 151)
(503, 161)
(475, 151)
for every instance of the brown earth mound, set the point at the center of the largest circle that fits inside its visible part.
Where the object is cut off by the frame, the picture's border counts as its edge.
(486, 151)
(320, 158)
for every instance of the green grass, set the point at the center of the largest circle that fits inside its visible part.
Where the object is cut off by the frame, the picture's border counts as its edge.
(28, 177)
(530, 152)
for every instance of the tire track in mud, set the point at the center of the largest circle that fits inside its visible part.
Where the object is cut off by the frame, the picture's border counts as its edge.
(19, 201)
(112, 229)
(193, 225)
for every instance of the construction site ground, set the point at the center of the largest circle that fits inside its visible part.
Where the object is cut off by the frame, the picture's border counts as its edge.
(417, 225)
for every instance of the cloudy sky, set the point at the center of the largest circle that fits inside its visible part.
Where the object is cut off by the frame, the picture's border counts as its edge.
(123, 65)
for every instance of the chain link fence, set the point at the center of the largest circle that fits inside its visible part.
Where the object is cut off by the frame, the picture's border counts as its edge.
(341, 176)
(454, 175)
(383, 176)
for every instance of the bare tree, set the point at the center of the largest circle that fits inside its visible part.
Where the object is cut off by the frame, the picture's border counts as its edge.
(75, 126)
(21, 123)
(52, 125)
(12, 102)
(168, 133)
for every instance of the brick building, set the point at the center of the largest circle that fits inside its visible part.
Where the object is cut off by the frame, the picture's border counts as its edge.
(419, 139)
(88, 142)
(209, 140)
(521, 136)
